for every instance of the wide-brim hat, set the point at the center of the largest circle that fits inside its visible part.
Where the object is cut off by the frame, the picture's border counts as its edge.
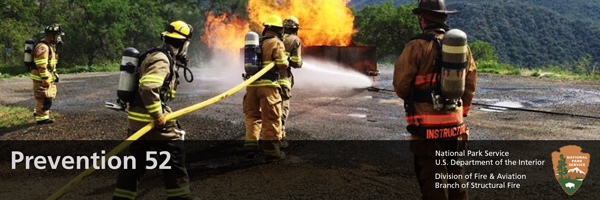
(436, 6)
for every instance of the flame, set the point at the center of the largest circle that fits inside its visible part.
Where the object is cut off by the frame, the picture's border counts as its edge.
(225, 32)
(322, 22)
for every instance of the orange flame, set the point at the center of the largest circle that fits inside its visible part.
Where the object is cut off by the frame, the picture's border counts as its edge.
(225, 32)
(322, 22)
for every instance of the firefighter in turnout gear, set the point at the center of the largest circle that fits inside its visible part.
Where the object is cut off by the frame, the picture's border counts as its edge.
(293, 46)
(158, 82)
(262, 102)
(44, 74)
(416, 76)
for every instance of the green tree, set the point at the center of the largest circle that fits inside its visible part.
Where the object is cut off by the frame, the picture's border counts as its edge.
(583, 65)
(562, 166)
(483, 51)
(387, 27)
(98, 31)
(18, 22)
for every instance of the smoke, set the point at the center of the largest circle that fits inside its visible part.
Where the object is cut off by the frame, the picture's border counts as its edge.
(225, 71)
(326, 75)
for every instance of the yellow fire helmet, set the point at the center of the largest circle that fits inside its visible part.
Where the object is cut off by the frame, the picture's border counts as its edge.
(53, 28)
(178, 30)
(291, 22)
(274, 21)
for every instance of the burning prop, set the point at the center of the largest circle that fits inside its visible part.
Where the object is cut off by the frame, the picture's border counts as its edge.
(326, 26)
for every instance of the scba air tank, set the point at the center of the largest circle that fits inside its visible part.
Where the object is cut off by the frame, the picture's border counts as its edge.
(128, 76)
(251, 54)
(454, 63)
(28, 54)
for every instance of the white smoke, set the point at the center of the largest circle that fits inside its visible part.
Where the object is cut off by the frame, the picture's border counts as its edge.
(226, 70)
(223, 68)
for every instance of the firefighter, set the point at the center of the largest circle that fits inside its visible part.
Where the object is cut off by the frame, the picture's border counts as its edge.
(157, 84)
(44, 75)
(262, 102)
(293, 49)
(415, 77)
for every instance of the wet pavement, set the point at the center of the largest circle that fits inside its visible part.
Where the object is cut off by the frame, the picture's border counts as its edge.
(318, 113)
(314, 169)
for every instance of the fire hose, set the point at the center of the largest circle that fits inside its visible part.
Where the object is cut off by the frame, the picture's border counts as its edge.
(149, 127)
(374, 89)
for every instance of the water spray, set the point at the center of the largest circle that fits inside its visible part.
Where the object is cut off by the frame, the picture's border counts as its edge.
(329, 75)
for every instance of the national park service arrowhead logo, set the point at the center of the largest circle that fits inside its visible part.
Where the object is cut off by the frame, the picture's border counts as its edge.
(570, 167)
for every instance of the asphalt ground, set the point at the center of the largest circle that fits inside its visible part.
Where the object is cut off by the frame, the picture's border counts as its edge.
(318, 113)
(350, 142)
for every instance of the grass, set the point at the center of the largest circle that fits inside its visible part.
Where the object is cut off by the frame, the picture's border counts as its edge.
(494, 67)
(10, 72)
(85, 68)
(14, 117)
(6, 75)
(564, 74)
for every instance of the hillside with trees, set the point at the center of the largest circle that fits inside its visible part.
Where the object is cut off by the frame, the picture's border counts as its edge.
(584, 10)
(98, 31)
(530, 33)
(528, 36)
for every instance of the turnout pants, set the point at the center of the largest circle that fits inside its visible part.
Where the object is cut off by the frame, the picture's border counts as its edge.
(176, 179)
(426, 167)
(262, 110)
(43, 100)
(285, 113)
(286, 95)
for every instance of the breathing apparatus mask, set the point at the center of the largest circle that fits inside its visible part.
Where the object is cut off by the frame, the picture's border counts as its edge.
(179, 47)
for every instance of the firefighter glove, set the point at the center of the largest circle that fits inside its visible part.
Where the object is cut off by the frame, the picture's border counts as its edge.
(160, 120)
(46, 82)
(56, 77)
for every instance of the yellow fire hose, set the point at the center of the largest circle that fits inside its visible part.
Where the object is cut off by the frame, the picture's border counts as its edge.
(149, 127)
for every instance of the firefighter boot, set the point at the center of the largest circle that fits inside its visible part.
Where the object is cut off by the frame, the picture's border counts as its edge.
(272, 151)
(46, 121)
(41, 113)
(273, 158)
(186, 198)
(283, 143)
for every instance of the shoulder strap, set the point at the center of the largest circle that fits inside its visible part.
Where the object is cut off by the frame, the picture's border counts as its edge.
(166, 52)
(266, 38)
(409, 106)
(262, 39)
(425, 36)
(260, 45)
(271, 74)
(171, 67)
(419, 95)
(149, 51)
(437, 43)
(438, 59)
